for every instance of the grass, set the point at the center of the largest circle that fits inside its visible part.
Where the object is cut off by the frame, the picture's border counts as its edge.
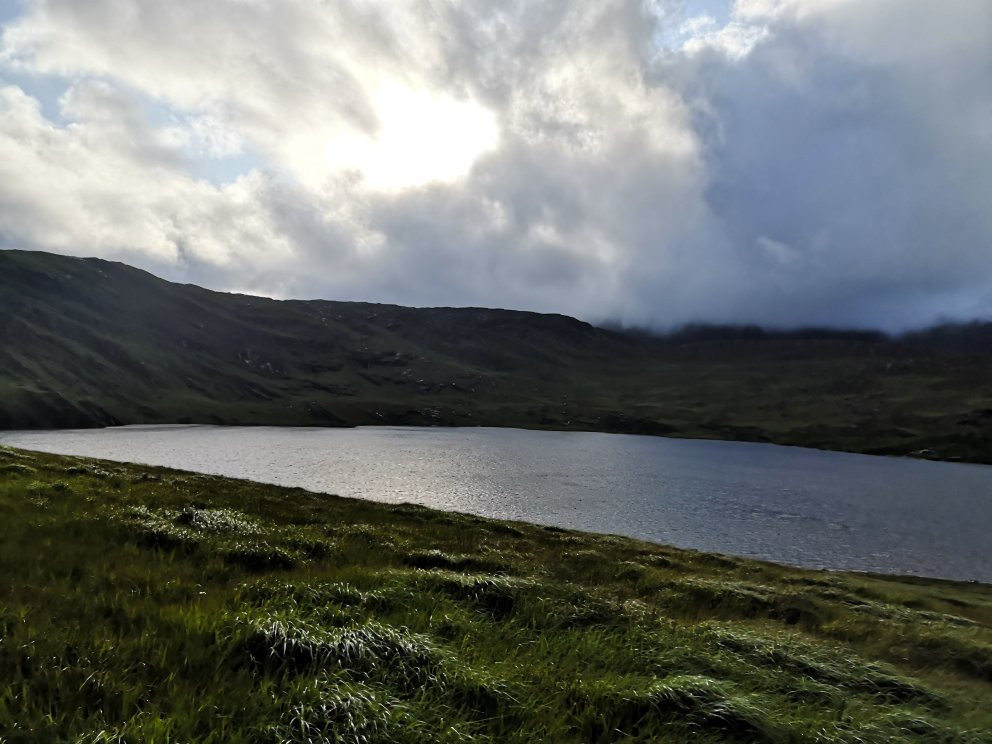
(151, 605)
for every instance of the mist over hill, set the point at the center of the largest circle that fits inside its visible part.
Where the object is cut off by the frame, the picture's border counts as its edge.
(88, 342)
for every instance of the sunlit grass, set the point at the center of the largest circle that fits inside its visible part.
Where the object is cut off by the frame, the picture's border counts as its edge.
(148, 605)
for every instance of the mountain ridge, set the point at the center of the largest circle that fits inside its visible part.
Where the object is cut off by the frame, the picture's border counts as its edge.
(88, 342)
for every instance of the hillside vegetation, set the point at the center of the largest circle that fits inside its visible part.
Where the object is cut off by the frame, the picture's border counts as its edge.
(150, 605)
(85, 342)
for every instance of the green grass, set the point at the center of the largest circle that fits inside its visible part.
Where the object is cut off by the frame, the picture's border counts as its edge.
(150, 605)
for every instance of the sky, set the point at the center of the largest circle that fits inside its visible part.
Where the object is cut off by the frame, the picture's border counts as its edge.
(645, 162)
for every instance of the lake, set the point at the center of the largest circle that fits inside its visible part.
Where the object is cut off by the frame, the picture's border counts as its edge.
(804, 507)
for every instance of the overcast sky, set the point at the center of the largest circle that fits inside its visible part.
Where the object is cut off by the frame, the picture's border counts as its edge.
(653, 162)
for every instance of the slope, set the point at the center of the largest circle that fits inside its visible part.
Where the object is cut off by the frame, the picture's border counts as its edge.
(86, 342)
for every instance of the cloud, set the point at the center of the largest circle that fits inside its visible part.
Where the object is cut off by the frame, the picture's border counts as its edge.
(810, 161)
(843, 138)
(111, 185)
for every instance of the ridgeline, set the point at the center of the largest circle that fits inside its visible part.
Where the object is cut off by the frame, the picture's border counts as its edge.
(87, 342)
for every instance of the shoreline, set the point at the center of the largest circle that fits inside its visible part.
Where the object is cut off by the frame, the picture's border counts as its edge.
(811, 564)
(688, 436)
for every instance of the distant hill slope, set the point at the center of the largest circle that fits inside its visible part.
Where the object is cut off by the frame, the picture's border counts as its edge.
(86, 342)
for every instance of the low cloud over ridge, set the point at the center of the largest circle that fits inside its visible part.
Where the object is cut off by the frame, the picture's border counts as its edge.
(807, 162)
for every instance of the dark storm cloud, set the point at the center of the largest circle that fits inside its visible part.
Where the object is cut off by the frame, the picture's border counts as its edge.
(842, 162)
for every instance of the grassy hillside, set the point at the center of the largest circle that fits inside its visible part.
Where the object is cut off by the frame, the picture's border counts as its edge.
(149, 605)
(85, 342)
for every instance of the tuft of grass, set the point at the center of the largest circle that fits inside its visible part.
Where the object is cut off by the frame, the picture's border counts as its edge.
(216, 520)
(347, 712)
(439, 559)
(16, 468)
(370, 651)
(810, 662)
(49, 487)
(496, 595)
(257, 555)
(695, 702)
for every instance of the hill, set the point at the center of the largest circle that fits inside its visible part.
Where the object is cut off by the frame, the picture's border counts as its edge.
(151, 605)
(87, 342)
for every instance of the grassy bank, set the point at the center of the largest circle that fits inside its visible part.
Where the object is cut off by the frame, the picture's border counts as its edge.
(142, 604)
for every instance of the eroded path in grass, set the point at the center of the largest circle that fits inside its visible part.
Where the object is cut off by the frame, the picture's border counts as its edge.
(153, 605)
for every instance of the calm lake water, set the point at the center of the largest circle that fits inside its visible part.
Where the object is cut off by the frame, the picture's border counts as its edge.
(792, 505)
